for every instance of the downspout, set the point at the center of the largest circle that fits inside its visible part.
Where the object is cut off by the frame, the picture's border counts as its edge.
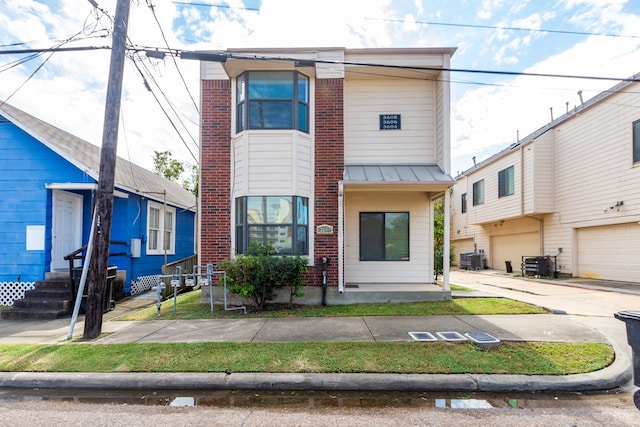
(340, 237)
(521, 180)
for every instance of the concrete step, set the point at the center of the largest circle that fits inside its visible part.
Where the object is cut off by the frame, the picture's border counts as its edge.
(45, 293)
(62, 283)
(33, 314)
(57, 304)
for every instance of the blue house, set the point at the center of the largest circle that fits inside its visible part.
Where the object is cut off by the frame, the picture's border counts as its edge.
(48, 182)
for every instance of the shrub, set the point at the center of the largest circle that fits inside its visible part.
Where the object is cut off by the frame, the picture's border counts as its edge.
(259, 274)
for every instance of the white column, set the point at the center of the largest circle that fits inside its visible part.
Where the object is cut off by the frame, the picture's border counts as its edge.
(340, 237)
(447, 237)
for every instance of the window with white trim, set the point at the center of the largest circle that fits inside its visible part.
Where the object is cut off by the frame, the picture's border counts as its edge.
(384, 236)
(478, 192)
(161, 226)
(505, 182)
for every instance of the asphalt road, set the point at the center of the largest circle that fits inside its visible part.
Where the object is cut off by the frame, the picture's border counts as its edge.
(614, 412)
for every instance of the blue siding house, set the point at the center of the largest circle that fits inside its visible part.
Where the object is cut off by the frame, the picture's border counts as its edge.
(48, 182)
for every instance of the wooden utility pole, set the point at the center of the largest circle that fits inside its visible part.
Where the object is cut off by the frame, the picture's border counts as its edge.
(104, 201)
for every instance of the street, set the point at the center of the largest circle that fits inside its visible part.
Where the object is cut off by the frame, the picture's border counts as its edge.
(609, 410)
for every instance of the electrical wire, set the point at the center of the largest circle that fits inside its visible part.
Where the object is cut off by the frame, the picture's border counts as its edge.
(146, 83)
(219, 6)
(175, 63)
(492, 27)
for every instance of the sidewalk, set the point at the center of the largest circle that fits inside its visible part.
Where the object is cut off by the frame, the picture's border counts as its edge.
(546, 327)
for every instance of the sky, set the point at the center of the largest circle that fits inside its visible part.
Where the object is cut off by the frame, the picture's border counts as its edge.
(489, 110)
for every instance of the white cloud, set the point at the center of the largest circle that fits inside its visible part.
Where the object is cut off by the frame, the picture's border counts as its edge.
(488, 8)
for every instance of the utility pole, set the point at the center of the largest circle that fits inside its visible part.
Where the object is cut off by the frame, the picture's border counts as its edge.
(104, 201)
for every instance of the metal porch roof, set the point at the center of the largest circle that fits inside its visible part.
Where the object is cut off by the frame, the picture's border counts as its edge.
(396, 174)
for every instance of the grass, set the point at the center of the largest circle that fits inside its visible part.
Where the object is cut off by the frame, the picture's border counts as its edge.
(320, 357)
(525, 358)
(189, 306)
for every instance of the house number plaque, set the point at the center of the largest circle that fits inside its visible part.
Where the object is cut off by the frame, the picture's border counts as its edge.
(389, 121)
(324, 229)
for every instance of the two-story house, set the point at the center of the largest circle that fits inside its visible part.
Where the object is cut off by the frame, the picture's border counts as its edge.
(328, 153)
(570, 191)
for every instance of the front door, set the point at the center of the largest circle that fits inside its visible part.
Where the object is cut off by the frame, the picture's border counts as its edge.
(66, 233)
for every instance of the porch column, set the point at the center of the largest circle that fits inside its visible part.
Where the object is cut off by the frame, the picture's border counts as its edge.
(446, 261)
(340, 237)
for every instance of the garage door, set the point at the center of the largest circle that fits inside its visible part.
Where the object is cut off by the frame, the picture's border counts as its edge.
(461, 246)
(513, 247)
(611, 252)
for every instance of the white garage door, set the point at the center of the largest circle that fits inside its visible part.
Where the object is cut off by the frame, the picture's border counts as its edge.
(611, 252)
(513, 247)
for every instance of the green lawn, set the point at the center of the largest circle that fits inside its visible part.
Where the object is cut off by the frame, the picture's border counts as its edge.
(533, 358)
(189, 306)
(338, 357)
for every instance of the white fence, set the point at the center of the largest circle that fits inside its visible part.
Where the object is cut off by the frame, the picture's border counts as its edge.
(12, 291)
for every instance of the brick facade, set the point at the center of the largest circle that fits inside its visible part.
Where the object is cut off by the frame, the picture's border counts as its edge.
(215, 168)
(215, 164)
(329, 166)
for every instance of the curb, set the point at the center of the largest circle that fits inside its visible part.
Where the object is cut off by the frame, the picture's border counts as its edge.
(614, 376)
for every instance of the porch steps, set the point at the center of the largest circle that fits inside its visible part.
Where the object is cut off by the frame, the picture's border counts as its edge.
(51, 299)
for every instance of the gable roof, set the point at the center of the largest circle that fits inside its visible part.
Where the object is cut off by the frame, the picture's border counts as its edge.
(86, 157)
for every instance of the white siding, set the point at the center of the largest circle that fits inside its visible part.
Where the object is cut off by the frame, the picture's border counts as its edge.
(272, 162)
(495, 208)
(365, 100)
(212, 71)
(579, 185)
(419, 268)
(543, 169)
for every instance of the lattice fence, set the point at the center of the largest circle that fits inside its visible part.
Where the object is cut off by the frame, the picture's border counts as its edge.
(144, 283)
(11, 291)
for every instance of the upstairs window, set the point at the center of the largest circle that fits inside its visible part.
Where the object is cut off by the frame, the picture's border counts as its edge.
(463, 203)
(161, 226)
(505, 182)
(636, 141)
(272, 100)
(478, 192)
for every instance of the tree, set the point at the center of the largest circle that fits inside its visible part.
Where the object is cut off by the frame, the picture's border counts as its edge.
(166, 166)
(170, 168)
(438, 239)
(192, 182)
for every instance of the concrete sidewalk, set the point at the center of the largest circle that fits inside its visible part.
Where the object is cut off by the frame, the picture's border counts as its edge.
(546, 327)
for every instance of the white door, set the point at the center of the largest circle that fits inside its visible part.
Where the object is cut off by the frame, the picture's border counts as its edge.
(66, 233)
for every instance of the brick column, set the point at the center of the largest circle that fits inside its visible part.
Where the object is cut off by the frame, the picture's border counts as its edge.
(215, 171)
(329, 166)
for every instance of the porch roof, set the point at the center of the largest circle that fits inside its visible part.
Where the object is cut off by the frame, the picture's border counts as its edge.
(425, 176)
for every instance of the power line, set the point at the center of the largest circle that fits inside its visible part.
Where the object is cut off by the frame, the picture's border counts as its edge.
(153, 12)
(219, 6)
(52, 49)
(218, 57)
(492, 27)
(438, 69)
